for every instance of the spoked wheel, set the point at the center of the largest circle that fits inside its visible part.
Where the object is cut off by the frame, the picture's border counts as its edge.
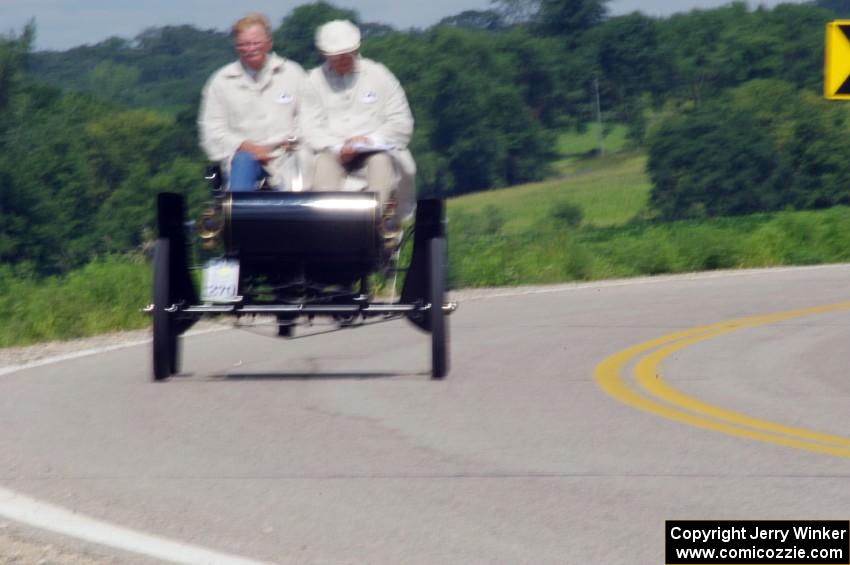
(437, 318)
(165, 346)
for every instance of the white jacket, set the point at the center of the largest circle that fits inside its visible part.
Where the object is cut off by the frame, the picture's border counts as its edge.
(369, 102)
(236, 108)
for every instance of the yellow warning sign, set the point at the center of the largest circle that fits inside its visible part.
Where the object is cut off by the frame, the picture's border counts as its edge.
(836, 72)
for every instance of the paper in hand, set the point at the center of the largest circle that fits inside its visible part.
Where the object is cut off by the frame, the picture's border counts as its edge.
(360, 147)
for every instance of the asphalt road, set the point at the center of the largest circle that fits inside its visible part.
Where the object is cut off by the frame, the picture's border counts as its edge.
(550, 441)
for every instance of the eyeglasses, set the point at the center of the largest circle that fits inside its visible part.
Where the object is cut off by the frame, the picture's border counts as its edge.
(250, 44)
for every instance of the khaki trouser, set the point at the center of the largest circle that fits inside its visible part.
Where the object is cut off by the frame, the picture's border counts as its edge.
(379, 171)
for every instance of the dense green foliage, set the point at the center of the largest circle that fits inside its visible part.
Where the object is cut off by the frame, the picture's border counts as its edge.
(162, 68)
(841, 8)
(726, 102)
(295, 38)
(754, 133)
(762, 146)
(727, 166)
(480, 255)
(101, 297)
(78, 175)
(490, 88)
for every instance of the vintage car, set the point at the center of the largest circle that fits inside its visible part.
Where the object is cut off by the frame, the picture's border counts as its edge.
(292, 257)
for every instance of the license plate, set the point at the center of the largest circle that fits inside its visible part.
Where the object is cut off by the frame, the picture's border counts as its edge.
(220, 281)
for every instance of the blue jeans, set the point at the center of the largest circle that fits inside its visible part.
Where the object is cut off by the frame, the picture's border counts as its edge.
(245, 172)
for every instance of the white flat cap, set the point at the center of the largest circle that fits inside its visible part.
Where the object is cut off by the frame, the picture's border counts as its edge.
(337, 37)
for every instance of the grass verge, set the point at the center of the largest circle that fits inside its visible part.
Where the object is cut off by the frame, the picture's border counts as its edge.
(549, 253)
(104, 296)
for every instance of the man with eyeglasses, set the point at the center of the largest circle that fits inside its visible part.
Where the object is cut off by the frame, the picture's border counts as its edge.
(250, 113)
(365, 125)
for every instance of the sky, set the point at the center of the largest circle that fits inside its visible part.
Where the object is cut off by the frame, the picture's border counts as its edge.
(63, 24)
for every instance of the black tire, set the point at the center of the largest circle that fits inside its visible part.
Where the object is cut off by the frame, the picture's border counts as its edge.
(164, 336)
(437, 318)
(284, 327)
(174, 361)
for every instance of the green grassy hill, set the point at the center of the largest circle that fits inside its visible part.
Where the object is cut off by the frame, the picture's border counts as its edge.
(610, 191)
(594, 224)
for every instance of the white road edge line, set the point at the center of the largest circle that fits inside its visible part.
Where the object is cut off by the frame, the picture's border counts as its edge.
(502, 292)
(93, 351)
(29, 511)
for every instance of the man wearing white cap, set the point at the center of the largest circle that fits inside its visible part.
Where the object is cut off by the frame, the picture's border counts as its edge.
(251, 109)
(366, 125)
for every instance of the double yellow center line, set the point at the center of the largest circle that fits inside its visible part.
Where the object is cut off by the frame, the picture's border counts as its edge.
(654, 395)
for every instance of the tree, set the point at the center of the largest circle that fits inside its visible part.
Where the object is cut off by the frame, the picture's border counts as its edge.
(9, 66)
(713, 50)
(633, 68)
(817, 154)
(714, 161)
(488, 20)
(808, 133)
(483, 128)
(762, 146)
(841, 8)
(551, 81)
(46, 192)
(295, 38)
(569, 19)
(695, 38)
(162, 68)
(517, 11)
(14, 50)
(370, 30)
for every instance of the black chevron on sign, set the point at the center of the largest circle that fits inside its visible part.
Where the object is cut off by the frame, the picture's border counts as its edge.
(845, 87)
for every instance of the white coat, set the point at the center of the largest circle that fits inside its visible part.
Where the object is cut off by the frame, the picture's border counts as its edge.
(236, 108)
(369, 102)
